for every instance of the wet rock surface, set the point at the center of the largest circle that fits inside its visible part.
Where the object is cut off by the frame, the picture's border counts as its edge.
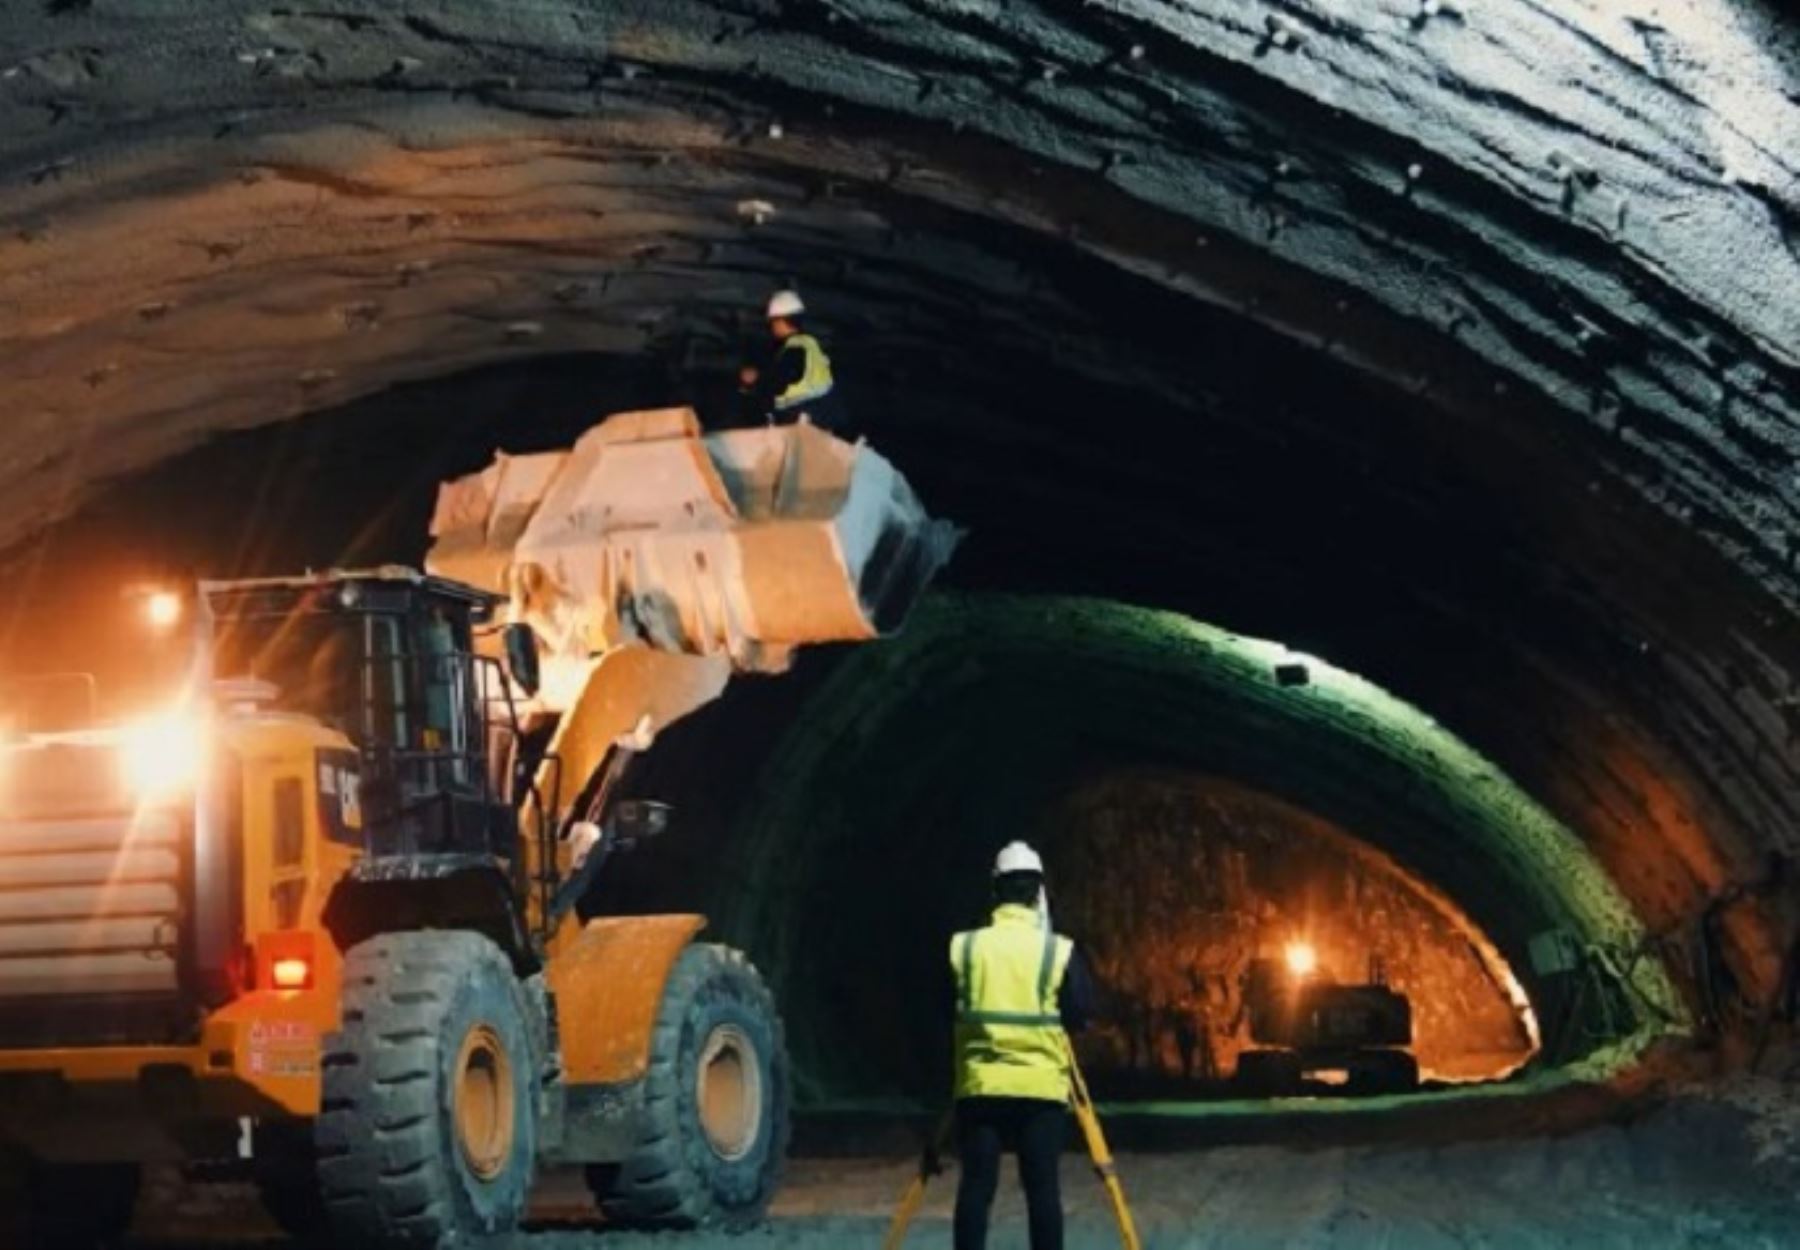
(1595, 200)
(1176, 883)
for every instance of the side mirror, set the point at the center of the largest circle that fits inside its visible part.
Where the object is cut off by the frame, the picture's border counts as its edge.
(635, 819)
(521, 657)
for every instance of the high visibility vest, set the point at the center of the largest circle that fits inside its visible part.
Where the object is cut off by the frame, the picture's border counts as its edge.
(814, 383)
(1009, 1036)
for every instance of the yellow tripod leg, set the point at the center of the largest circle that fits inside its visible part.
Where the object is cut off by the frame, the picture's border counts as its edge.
(1101, 1153)
(903, 1214)
(914, 1196)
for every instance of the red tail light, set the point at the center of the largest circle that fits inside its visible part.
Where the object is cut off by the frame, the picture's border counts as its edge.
(286, 961)
(291, 974)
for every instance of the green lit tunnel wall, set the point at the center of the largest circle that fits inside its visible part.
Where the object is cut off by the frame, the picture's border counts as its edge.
(872, 822)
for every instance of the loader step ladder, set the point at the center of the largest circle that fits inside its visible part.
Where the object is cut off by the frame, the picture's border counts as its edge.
(1098, 1151)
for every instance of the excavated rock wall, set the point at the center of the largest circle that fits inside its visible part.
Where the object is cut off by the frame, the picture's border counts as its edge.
(1177, 882)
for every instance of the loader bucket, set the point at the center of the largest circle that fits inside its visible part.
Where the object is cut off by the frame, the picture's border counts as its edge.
(746, 543)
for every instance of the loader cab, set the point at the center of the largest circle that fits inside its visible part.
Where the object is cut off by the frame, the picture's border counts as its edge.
(388, 659)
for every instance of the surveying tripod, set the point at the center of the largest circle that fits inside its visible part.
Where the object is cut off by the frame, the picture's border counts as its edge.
(1104, 1167)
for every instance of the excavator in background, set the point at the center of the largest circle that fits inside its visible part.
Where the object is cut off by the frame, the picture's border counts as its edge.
(321, 919)
(1304, 1022)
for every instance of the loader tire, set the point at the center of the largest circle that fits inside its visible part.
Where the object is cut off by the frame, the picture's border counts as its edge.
(714, 1134)
(427, 1133)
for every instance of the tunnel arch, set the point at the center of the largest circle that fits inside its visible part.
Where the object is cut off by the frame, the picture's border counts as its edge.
(867, 837)
(1455, 345)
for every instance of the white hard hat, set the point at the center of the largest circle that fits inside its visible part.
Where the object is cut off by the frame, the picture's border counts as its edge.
(785, 304)
(1017, 857)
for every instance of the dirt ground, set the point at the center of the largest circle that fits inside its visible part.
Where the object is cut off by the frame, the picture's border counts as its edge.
(1696, 1173)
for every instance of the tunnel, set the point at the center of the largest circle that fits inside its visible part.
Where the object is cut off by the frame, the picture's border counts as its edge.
(1380, 418)
(868, 827)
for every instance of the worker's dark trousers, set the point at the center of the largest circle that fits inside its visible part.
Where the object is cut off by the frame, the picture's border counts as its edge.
(1031, 1128)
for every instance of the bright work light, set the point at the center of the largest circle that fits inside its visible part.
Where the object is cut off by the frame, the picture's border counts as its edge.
(162, 609)
(162, 755)
(1301, 958)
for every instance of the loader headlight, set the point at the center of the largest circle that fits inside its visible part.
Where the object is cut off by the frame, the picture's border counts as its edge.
(162, 755)
(162, 610)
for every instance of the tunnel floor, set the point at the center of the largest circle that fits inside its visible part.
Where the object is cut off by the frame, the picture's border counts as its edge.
(1598, 1189)
(1689, 1164)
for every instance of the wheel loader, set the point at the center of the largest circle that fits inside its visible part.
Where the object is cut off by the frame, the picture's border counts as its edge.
(319, 918)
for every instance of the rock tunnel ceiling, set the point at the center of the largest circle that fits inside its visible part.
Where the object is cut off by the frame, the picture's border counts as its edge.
(1455, 344)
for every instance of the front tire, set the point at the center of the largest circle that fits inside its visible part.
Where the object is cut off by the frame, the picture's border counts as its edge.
(427, 1136)
(715, 1123)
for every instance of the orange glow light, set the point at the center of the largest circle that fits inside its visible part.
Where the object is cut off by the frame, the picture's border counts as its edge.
(163, 754)
(291, 974)
(163, 609)
(1302, 959)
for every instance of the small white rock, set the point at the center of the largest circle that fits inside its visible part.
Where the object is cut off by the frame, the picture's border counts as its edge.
(758, 211)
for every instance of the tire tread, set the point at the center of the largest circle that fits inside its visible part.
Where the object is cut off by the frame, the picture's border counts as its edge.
(377, 1174)
(666, 1181)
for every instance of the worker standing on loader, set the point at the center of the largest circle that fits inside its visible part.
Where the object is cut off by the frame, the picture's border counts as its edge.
(1019, 986)
(797, 381)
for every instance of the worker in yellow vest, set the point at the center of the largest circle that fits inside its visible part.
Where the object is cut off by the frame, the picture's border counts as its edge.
(1018, 985)
(797, 381)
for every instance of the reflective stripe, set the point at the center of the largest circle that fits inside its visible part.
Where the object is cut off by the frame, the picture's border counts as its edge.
(1044, 967)
(967, 978)
(1011, 1017)
(815, 379)
(1009, 1040)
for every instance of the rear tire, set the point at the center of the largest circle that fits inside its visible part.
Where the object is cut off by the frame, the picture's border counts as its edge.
(715, 1123)
(427, 1135)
